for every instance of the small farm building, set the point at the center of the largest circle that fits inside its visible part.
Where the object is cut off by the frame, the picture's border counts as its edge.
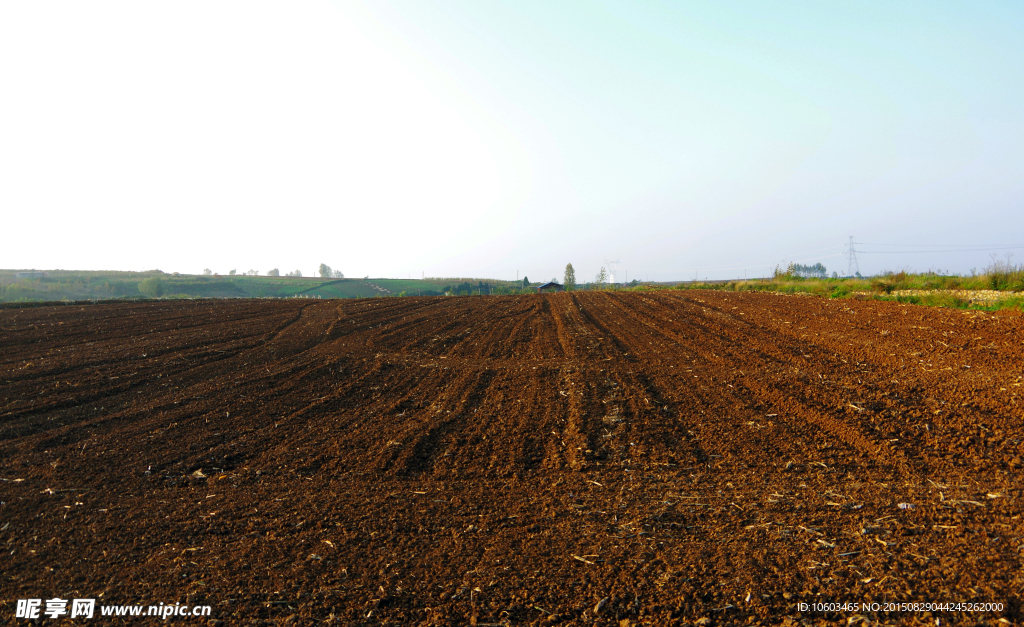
(551, 287)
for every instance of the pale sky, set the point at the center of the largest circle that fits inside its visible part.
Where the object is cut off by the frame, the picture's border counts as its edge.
(487, 139)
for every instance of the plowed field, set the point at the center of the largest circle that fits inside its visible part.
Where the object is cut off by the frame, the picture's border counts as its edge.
(587, 458)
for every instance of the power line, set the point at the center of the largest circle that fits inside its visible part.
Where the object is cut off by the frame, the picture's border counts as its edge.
(769, 263)
(955, 250)
(852, 251)
(941, 245)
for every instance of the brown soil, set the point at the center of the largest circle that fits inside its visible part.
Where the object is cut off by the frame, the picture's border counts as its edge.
(585, 458)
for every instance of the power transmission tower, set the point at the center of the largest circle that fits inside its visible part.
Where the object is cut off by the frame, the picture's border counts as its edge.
(853, 268)
(612, 269)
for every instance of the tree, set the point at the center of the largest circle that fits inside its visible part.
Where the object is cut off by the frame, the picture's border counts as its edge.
(337, 274)
(152, 287)
(570, 277)
(232, 273)
(462, 288)
(784, 275)
(295, 273)
(602, 278)
(207, 271)
(274, 272)
(809, 272)
(325, 270)
(526, 282)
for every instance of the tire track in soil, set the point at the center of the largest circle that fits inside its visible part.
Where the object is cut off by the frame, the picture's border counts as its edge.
(717, 350)
(865, 383)
(711, 414)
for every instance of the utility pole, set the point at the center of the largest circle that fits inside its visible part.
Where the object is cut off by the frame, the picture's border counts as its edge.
(852, 267)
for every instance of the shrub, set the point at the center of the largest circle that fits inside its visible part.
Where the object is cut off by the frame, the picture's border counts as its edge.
(840, 291)
(152, 287)
(1002, 275)
(946, 300)
(883, 284)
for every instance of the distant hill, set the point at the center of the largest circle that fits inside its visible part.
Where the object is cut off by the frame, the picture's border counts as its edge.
(59, 285)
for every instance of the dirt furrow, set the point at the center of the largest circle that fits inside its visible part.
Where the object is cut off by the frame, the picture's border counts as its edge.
(648, 458)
